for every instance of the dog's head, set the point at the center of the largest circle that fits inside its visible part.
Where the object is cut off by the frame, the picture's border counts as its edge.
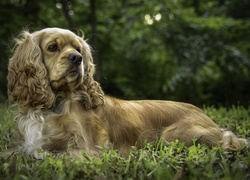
(48, 62)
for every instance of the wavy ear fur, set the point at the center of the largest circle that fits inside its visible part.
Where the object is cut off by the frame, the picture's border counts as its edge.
(28, 83)
(93, 93)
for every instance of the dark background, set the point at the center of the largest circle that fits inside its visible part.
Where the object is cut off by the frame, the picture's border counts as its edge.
(195, 51)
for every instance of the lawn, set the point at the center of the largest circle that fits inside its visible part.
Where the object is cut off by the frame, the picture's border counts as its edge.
(153, 161)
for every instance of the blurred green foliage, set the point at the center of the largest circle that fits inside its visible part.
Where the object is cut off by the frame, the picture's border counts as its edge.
(195, 51)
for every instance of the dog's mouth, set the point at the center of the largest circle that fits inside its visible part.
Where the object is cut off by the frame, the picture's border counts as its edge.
(70, 79)
(72, 75)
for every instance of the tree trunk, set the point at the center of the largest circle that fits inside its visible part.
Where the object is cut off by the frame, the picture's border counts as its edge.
(94, 40)
(65, 8)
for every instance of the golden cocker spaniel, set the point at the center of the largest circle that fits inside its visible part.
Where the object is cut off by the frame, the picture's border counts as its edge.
(61, 108)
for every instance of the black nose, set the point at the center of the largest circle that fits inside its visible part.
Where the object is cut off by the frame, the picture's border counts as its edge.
(75, 58)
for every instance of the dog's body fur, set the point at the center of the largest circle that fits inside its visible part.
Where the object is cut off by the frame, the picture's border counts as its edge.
(127, 123)
(61, 107)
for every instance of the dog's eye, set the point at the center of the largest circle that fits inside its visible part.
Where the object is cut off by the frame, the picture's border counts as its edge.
(53, 48)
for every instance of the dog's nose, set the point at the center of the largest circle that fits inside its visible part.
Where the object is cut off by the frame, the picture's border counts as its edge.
(75, 58)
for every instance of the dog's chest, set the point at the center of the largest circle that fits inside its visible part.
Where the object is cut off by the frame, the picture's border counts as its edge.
(58, 131)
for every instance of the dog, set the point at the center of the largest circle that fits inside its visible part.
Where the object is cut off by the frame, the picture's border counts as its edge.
(61, 108)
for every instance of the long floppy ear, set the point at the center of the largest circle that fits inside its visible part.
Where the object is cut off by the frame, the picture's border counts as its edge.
(28, 83)
(93, 95)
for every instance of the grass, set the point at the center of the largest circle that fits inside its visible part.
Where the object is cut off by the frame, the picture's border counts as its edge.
(153, 161)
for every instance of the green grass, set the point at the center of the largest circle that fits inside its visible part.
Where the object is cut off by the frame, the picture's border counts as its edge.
(153, 161)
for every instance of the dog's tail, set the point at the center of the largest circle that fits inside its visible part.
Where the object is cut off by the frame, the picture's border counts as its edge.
(232, 143)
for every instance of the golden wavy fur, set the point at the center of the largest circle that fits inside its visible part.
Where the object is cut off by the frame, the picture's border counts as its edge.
(63, 109)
